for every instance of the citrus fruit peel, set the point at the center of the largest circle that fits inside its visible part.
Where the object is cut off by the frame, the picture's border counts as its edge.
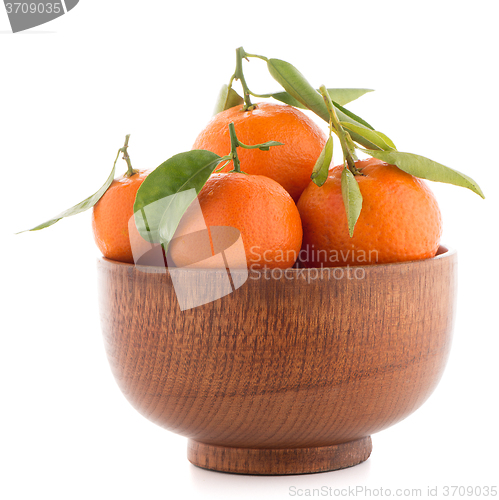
(166, 194)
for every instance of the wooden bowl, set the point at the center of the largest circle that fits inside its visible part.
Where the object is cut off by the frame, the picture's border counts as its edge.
(292, 372)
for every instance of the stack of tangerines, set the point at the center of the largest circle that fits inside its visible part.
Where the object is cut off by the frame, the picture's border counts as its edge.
(276, 186)
(282, 215)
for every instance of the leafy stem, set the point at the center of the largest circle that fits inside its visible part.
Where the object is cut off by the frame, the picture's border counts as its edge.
(239, 75)
(263, 58)
(299, 92)
(131, 171)
(234, 143)
(168, 190)
(241, 54)
(345, 140)
(88, 202)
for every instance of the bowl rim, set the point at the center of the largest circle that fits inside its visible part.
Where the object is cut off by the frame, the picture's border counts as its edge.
(443, 252)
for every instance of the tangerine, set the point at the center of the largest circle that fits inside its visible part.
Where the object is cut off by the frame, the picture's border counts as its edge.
(111, 215)
(399, 221)
(260, 208)
(290, 164)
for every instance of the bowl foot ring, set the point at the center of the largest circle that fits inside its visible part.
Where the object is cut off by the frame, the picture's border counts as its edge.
(278, 461)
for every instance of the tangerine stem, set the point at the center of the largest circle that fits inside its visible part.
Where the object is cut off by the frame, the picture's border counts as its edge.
(348, 154)
(234, 143)
(263, 58)
(131, 171)
(239, 75)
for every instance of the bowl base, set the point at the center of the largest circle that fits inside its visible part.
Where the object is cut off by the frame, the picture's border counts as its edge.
(262, 461)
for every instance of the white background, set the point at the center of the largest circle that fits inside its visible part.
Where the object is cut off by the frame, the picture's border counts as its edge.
(72, 89)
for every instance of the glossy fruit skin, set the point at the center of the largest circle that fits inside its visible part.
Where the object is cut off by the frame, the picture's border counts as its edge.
(291, 164)
(260, 208)
(400, 219)
(110, 218)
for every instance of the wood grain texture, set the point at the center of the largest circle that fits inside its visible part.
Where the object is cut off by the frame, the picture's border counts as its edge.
(279, 461)
(304, 360)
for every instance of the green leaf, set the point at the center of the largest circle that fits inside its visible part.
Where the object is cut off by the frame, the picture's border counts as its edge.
(167, 192)
(82, 206)
(352, 198)
(370, 135)
(321, 167)
(288, 99)
(340, 96)
(344, 96)
(298, 88)
(295, 84)
(227, 98)
(424, 168)
(347, 116)
(386, 139)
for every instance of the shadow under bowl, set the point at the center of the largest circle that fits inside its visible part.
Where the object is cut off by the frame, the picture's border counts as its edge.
(293, 371)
